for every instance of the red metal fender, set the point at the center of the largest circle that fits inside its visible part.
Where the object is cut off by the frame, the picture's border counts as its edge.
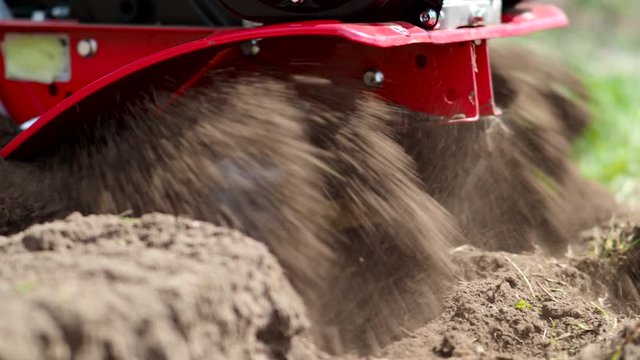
(117, 46)
(443, 73)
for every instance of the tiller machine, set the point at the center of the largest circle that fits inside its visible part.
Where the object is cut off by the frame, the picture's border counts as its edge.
(298, 154)
(70, 60)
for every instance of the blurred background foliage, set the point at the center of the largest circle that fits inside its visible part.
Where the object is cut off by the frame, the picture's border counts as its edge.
(602, 45)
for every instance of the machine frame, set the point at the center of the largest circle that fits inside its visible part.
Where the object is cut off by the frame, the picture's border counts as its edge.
(442, 73)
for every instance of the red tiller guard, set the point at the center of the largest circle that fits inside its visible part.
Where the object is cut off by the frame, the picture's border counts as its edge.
(444, 73)
(118, 46)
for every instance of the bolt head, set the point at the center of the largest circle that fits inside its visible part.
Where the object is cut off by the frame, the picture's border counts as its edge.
(87, 47)
(429, 18)
(374, 78)
(250, 48)
(477, 15)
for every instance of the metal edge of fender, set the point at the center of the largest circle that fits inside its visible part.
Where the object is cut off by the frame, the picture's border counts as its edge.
(539, 17)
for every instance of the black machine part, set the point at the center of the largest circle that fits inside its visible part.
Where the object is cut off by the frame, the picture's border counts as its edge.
(218, 12)
(165, 12)
(228, 12)
(364, 10)
(224, 12)
(174, 12)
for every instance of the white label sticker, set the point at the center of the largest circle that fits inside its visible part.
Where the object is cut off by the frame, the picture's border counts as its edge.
(41, 58)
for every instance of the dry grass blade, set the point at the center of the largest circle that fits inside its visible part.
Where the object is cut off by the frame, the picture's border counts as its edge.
(524, 277)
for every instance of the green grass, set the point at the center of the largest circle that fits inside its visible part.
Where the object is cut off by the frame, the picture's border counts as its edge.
(603, 48)
(523, 305)
(609, 151)
(617, 243)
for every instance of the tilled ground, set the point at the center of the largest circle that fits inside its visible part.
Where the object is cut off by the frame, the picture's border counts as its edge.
(383, 279)
(531, 306)
(152, 288)
(164, 287)
(509, 306)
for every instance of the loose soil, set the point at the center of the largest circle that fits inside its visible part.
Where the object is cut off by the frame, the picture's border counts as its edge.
(158, 287)
(165, 287)
(379, 233)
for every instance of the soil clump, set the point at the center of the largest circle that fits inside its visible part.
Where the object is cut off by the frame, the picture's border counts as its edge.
(157, 287)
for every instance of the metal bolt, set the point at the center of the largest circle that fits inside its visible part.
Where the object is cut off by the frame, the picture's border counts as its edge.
(429, 18)
(373, 78)
(87, 47)
(250, 48)
(477, 15)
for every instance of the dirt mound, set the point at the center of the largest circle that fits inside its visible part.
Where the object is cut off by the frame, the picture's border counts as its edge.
(511, 307)
(508, 306)
(158, 287)
(166, 287)
(625, 346)
(611, 255)
(613, 261)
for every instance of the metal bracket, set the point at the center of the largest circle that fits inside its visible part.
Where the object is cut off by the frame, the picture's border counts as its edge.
(449, 82)
(466, 13)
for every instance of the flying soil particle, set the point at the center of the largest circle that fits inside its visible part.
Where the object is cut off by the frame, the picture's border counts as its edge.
(359, 212)
(315, 175)
(509, 180)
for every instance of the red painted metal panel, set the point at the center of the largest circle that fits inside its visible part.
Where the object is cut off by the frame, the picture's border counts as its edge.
(437, 79)
(486, 103)
(530, 18)
(117, 47)
(450, 90)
